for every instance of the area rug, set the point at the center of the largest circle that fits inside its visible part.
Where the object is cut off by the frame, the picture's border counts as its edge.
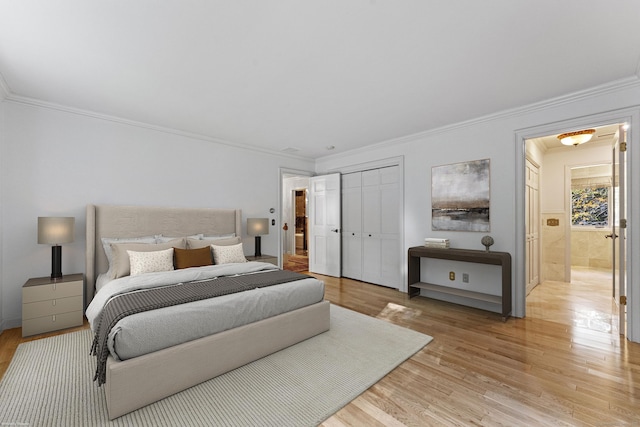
(49, 381)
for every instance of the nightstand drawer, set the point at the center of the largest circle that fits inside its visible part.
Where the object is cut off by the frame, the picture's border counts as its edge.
(51, 291)
(55, 306)
(51, 323)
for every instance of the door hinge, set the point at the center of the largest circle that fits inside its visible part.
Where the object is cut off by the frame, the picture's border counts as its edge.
(623, 300)
(623, 223)
(623, 146)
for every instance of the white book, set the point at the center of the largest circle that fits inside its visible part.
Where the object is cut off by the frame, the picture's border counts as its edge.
(435, 240)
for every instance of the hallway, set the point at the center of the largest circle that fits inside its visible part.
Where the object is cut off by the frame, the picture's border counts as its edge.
(585, 303)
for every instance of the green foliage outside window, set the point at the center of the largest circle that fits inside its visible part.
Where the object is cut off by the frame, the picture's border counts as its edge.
(590, 206)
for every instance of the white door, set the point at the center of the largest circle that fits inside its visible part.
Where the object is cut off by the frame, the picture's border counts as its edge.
(324, 225)
(532, 223)
(381, 251)
(352, 225)
(618, 226)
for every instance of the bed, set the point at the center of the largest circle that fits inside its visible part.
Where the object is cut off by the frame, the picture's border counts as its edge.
(143, 379)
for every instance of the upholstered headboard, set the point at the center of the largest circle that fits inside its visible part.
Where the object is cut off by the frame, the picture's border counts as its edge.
(136, 221)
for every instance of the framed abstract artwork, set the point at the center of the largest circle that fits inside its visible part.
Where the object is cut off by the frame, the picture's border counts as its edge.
(460, 196)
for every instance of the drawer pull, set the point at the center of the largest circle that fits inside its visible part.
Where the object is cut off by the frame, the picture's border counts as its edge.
(54, 286)
(53, 318)
(53, 303)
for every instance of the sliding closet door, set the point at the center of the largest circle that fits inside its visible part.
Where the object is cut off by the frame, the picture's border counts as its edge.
(352, 225)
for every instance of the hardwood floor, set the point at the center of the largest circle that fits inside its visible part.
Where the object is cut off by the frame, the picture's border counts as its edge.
(564, 364)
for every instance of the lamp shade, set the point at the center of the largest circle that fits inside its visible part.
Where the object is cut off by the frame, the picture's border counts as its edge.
(257, 226)
(54, 230)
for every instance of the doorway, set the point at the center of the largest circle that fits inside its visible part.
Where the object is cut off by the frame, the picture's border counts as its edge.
(298, 258)
(575, 214)
(294, 225)
(301, 201)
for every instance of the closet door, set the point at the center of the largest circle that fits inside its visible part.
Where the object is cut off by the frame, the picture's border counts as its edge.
(352, 225)
(381, 252)
(371, 219)
(390, 210)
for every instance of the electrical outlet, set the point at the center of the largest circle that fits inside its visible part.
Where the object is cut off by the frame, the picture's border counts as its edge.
(452, 275)
(465, 277)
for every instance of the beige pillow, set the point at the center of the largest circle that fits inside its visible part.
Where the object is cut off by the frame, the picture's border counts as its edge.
(121, 264)
(197, 243)
(106, 245)
(228, 254)
(150, 262)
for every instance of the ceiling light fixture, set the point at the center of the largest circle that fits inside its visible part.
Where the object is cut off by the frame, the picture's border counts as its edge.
(577, 137)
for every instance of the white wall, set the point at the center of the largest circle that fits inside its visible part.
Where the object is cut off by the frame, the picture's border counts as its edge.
(55, 163)
(500, 138)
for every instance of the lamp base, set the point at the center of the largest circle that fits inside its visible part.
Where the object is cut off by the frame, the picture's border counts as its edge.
(258, 249)
(56, 262)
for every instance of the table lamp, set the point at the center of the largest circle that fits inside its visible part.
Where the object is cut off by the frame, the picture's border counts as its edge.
(55, 230)
(257, 227)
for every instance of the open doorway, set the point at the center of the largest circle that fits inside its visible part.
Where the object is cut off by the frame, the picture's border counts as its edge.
(298, 259)
(295, 239)
(574, 212)
(301, 222)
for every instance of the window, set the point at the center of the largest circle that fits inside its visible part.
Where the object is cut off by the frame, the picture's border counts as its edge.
(591, 196)
(590, 206)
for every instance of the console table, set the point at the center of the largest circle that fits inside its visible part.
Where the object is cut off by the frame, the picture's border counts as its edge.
(502, 259)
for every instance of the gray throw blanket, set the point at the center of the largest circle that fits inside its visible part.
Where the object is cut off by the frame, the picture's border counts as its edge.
(126, 304)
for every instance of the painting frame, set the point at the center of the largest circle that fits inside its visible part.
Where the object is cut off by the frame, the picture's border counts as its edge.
(461, 196)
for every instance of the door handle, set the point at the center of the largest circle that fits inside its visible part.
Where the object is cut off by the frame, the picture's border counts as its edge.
(611, 236)
(335, 230)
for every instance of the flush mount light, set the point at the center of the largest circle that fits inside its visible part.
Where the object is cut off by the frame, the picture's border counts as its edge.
(577, 137)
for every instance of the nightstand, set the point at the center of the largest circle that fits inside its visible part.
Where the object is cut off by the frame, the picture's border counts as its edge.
(49, 305)
(264, 258)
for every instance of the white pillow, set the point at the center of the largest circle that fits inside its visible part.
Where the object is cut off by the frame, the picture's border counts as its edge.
(228, 254)
(150, 262)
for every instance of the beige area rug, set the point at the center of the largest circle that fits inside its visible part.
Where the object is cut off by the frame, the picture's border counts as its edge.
(49, 381)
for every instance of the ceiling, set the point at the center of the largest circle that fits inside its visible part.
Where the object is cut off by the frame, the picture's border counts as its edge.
(301, 76)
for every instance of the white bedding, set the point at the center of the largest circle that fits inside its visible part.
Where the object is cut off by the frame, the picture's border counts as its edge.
(154, 330)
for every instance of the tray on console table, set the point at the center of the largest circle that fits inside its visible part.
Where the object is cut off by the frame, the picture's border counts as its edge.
(502, 259)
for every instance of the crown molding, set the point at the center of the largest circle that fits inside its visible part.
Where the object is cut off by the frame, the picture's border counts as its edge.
(610, 87)
(617, 85)
(100, 116)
